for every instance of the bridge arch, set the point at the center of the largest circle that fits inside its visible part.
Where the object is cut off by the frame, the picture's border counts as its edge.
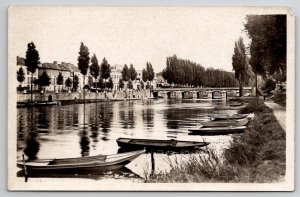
(216, 94)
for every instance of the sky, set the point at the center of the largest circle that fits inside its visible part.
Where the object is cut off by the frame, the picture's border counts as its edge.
(129, 35)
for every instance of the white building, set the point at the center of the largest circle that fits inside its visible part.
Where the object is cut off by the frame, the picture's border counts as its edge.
(27, 75)
(67, 70)
(116, 75)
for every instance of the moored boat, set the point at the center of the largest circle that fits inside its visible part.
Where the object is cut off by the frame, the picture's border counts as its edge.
(153, 144)
(224, 123)
(228, 116)
(91, 163)
(217, 130)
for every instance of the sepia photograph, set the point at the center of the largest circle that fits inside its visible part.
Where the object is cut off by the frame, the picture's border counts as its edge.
(151, 98)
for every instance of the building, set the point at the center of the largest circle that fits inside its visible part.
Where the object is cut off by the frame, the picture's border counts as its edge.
(116, 75)
(27, 75)
(67, 70)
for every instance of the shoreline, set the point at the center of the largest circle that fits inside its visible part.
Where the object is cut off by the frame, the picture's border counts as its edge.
(256, 156)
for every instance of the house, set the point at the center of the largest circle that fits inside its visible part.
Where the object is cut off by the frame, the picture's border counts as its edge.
(27, 75)
(116, 75)
(67, 70)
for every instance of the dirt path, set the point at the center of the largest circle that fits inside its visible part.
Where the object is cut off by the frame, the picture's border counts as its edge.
(279, 112)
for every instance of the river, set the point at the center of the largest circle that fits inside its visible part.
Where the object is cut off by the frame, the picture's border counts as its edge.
(91, 129)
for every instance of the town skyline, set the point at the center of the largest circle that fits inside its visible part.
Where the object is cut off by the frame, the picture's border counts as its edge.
(150, 39)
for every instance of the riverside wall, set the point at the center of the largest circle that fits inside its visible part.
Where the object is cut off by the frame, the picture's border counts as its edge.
(68, 96)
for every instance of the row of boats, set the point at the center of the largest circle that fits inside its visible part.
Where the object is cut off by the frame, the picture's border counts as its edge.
(217, 124)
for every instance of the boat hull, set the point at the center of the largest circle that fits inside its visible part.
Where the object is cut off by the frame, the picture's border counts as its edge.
(103, 165)
(159, 145)
(217, 131)
(224, 123)
(227, 117)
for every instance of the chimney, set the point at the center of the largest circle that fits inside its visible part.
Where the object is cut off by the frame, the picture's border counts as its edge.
(55, 62)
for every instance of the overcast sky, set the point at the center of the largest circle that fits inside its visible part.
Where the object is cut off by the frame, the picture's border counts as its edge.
(129, 35)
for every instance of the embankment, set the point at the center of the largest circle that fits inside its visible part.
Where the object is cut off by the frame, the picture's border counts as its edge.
(259, 155)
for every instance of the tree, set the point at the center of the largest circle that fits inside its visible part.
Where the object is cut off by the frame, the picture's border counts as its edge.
(269, 85)
(44, 80)
(31, 61)
(144, 75)
(60, 79)
(125, 73)
(239, 63)
(268, 48)
(129, 84)
(101, 83)
(75, 83)
(83, 60)
(150, 72)
(121, 84)
(110, 84)
(132, 73)
(95, 68)
(20, 75)
(68, 83)
(105, 69)
(181, 72)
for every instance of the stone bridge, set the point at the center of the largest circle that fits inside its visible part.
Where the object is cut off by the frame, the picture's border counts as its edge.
(209, 93)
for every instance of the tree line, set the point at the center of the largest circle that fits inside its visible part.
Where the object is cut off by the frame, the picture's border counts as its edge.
(129, 75)
(181, 72)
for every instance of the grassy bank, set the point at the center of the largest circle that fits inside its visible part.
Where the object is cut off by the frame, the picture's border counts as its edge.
(256, 156)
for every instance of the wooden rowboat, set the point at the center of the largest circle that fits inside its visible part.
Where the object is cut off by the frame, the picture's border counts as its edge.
(224, 123)
(228, 117)
(151, 144)
(217, 130)
(92, 163)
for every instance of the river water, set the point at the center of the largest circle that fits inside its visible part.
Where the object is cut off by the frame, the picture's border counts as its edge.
(91, 129)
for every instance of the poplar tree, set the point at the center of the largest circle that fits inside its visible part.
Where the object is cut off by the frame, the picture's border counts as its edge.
(32, 61)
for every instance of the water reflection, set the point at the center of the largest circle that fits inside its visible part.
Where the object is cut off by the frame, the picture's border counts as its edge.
(32, 145)
(91, 129)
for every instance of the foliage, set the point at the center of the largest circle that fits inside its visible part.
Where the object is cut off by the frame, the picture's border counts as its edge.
(280, 97)
(239, 63)
(142, 85)
(83, 59)
(110, 84)
(68, 82)
(125, 73)
(31, 62)
(150, 71)
(269, 85)
(75, 83)
(105, 69)
(32, 58)
(144, 75)
(257, 156)
(268, 35)
(121, 83)
(43, 80)
(94, 68)
(60, 79)
(101, 83)
(129, 85)
(187, 73)
(132, 73)
(20, 75)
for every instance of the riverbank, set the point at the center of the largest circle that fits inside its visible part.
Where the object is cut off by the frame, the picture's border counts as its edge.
(258, 155)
